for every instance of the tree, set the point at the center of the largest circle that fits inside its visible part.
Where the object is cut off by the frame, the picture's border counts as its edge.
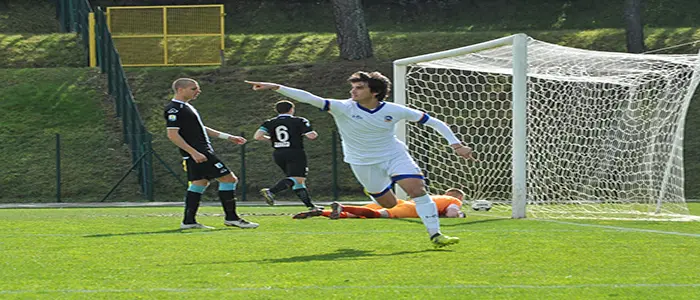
(351, 29)
(634, 27)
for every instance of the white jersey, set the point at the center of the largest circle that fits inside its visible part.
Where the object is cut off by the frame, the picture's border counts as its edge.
(368, 135)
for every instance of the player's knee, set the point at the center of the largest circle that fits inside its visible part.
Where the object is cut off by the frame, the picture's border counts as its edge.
(200, 182)
(415, 192)
(414, 187)
(386, 201)
(228, 178)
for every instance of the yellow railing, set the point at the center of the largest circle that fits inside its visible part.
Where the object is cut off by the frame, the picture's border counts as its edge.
(168, 35)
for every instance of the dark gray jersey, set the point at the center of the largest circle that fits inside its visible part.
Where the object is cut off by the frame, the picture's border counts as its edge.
(286, 131)
(185, 117)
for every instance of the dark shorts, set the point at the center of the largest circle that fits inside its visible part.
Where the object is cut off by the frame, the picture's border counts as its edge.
(211, 169)
(291, 161)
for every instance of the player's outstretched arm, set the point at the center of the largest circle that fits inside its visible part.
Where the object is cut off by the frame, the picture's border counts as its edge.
(446, 132)
(259, 86)
(463, 151)
(225, 136)
(296, 94)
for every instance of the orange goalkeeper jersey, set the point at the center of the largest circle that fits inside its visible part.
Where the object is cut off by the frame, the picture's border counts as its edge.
(407, 209)
(443, 201)
(377, 206)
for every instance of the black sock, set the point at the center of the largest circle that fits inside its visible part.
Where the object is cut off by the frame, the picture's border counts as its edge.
(282, 185)
(228, 202)
(303, 195)
(191, 206)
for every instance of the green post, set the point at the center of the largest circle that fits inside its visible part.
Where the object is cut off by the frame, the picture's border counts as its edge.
(108, 64)
(124, 115)
(334, 163)
(99, 40)
(147, 164)
(71, 15)
(61, 14)
(146, 169)
(241, 178)
(58, 167)
(139, 151)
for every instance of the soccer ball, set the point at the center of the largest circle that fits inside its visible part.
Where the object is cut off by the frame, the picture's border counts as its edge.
(481, 205)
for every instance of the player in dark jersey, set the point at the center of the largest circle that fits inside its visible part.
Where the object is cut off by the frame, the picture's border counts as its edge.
(286, 134)
(187, 131)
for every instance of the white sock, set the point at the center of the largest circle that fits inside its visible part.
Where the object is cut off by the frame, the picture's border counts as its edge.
(427, 211)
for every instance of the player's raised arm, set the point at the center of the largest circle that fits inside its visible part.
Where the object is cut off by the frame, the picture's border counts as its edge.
(446, 132)
(258, 86)
(296, 94)
(441, 127)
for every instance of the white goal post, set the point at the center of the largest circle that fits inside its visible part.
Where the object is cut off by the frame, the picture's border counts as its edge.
(569, 133)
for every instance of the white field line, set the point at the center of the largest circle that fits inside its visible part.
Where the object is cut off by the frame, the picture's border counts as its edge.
(615, 228)
(339, 287)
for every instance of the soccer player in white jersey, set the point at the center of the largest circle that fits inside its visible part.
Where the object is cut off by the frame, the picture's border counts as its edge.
(377, 158)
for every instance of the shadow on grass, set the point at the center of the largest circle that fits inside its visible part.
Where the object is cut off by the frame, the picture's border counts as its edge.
(169, 231)
(339, 254)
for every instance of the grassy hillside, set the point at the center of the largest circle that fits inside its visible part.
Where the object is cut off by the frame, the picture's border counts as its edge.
(259, 49)
(28, 17)
(41, 51)
(284, 16)
(56, 50)
(36, 105)
(294, 16)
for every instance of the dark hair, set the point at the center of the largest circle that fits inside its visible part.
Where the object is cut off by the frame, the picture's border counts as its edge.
(376, 82)
(283, 106)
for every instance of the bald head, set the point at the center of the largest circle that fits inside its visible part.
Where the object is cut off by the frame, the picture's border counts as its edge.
(186, 89)
(182, 83)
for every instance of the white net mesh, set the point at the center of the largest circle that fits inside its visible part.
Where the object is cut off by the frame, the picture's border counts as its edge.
(604, 130)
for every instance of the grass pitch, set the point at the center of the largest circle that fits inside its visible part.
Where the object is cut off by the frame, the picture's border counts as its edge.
(128, 253)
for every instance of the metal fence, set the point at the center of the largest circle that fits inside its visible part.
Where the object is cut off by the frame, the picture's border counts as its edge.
(77, 15)
(168, 35)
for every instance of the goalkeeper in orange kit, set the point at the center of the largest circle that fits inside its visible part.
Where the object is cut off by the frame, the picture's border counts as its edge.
(448, 205)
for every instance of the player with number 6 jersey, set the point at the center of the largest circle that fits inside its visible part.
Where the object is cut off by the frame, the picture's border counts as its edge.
(286, 134)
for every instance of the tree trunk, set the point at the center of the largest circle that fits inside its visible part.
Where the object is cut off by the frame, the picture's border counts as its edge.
(351, 30)
(634, 27)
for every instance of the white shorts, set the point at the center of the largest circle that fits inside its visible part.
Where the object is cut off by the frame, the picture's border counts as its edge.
(379, 178)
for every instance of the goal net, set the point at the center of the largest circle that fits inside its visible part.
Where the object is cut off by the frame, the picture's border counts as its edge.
(557, 132)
